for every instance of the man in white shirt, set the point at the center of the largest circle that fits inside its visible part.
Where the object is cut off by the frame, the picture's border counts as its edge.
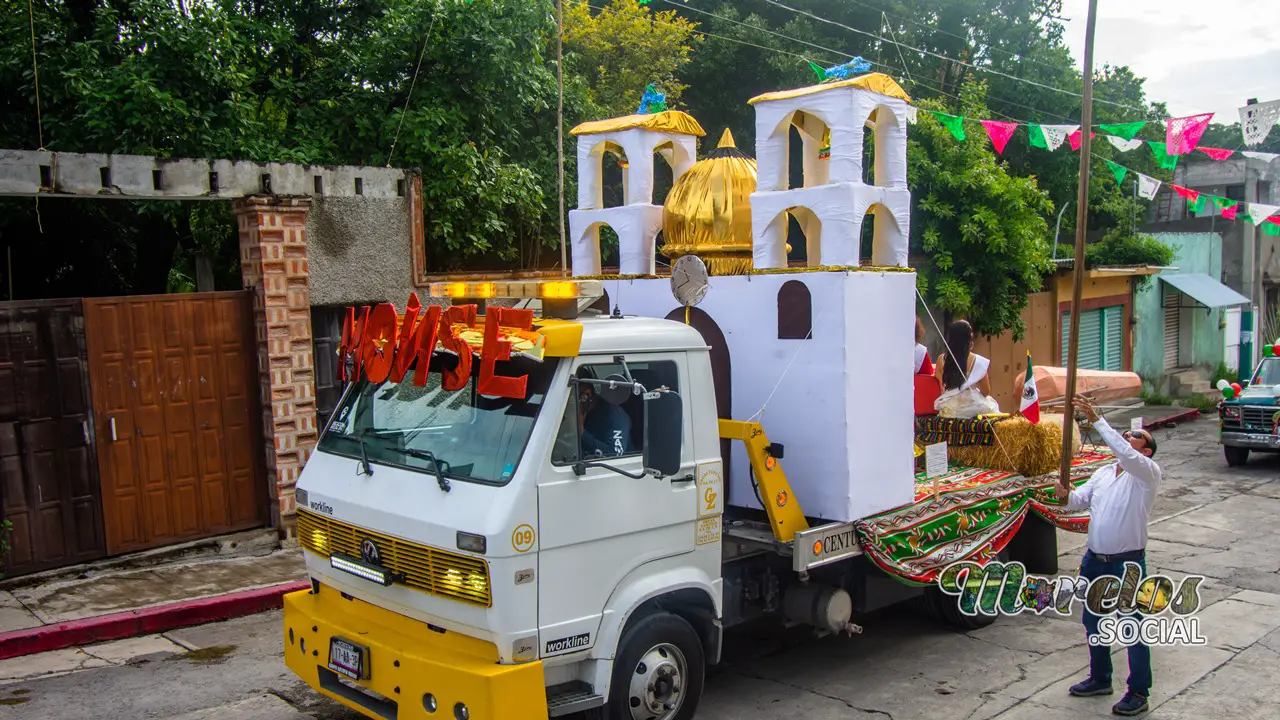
(1119, 498)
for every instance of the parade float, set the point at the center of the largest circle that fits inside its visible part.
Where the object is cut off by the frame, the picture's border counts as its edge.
(470, 552)
(821, 353)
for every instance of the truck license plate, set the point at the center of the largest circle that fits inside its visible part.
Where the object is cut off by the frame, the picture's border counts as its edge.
(349, 659)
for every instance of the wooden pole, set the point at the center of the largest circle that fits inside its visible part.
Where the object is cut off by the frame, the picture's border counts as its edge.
(1082, 221)
(564, 251)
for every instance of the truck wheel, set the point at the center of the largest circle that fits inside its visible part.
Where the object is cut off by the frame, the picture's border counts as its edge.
(1236, 456)
(946, 609)
(659, 670)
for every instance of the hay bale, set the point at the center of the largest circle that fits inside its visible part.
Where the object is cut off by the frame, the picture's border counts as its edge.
(1020, 447)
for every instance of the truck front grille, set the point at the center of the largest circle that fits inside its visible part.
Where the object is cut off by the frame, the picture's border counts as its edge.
(431, 570)
(1257, 418)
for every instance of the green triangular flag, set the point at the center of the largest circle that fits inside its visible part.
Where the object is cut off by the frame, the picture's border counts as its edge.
(821, 73)
(1270, 228)
(1197, 205)
(1117, 170)
(954, 123)
(1244, 217)
(1223, 203)
(1037, 136)
(1163, 158)
(1124, 130)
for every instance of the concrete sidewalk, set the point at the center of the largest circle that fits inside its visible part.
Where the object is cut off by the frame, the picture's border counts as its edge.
(103, 605)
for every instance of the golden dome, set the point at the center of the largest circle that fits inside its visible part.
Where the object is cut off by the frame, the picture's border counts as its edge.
(708, 211)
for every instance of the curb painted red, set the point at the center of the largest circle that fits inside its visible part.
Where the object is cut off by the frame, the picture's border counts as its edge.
(1190, 414)
(132, 623)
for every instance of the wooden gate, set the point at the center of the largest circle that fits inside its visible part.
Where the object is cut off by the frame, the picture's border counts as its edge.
(48, 476)
(177, 417)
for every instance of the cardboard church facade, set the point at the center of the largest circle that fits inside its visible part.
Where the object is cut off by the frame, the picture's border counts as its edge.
(821, 354)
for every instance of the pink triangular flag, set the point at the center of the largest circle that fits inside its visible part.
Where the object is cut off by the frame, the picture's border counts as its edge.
(1075, 138)
(1188, 193)
(1184, 133)
(999, 132)
(1230, 213)
(1216, 153)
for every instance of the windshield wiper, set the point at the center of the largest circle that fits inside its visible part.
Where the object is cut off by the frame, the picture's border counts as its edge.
(441, 480)
(364, 454)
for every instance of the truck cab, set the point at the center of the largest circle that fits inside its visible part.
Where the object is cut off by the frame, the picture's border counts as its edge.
(477, 556)
(1248, 421)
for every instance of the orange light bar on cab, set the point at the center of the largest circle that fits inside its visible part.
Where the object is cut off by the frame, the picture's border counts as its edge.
(518, 289)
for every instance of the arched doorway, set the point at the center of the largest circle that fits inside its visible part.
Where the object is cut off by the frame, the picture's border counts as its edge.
(721, 377)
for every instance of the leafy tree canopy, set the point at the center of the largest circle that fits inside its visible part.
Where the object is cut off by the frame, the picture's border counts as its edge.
(983, 228)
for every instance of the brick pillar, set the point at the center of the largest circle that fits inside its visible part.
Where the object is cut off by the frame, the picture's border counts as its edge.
(273, 262)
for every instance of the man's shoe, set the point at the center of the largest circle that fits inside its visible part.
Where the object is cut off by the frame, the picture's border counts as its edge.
(1091, 687)
(1131, 704)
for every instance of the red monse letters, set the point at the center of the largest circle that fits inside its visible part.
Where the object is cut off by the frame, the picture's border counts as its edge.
(372, 344)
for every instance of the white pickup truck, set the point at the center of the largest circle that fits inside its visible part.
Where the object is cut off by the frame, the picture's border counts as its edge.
(493, 557)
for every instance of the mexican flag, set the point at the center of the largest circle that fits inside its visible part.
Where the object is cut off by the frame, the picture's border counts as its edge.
(1030, 408)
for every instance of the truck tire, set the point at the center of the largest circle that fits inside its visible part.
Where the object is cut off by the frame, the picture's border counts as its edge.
(946, 609)
(658, 672)
(1236, 456)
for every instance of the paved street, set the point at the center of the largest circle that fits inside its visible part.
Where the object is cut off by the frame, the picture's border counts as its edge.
(1210, 520)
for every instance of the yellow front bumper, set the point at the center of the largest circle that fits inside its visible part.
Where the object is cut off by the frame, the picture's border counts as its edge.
(407, 660)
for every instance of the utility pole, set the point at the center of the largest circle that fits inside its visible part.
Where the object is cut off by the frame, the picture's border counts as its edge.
(1082, 221)
(1251, 318)
(564, 252)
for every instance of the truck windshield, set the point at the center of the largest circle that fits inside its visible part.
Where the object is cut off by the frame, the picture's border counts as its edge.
(473, 437)
(1268, 373)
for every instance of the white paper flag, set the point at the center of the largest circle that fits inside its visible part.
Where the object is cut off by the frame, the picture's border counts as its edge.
(1256, 121)
(912, 113)
(1055, 135)
(1147, 186)
(1125, 145)
(1259, 212)
(1264, 157)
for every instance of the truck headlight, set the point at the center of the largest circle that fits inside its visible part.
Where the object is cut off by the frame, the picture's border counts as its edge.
(300, 496)
(1230, 412)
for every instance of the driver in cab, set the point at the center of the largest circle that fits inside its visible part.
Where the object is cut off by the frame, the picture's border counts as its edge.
(605, 429)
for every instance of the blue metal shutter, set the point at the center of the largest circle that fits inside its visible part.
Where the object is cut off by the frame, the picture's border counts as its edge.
(1113, 337)
(1090, 349)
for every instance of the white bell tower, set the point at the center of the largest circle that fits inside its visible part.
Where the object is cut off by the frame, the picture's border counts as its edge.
(635, 138)
(836, 195)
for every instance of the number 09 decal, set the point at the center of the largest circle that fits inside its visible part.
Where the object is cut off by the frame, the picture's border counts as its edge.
(522, 538)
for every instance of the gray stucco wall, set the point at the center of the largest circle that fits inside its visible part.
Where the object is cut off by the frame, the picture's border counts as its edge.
(359, 251)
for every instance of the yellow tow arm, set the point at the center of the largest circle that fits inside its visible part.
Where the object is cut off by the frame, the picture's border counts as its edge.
(785, 515)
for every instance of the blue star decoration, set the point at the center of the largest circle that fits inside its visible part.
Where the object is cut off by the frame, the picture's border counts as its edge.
(652, 101)
(843, 71)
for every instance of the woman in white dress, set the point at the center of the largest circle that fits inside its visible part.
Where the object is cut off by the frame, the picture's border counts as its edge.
(965, 394)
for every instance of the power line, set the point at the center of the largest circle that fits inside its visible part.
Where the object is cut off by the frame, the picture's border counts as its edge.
(944, 57)
(735, 40)
(685, 6)
(400, 125)
(784, 36)
(958, 36)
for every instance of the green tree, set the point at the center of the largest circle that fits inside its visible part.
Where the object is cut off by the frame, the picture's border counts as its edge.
(624, 47)
(1121, 247)
(983, 229)
(298, 81)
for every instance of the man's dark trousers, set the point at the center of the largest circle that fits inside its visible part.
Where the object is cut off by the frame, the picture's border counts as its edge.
(1093, 567)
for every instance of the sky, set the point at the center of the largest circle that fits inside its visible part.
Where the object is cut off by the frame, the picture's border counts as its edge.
(1198, 56)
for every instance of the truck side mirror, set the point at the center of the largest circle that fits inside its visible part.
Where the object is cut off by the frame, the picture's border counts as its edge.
(663, 432)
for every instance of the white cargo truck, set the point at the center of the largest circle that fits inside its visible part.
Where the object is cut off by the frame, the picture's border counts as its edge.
(471, 559)
(514, 517)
